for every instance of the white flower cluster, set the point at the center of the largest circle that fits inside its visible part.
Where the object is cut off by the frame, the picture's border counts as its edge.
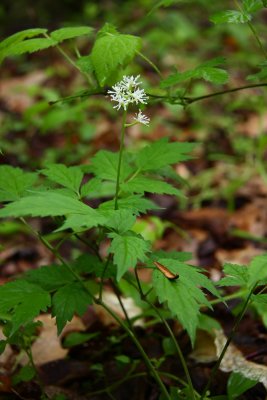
(127, 92)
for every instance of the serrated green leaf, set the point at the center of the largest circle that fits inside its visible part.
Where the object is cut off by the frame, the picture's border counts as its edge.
(79, 223)
(257, 270)
(111, 51)
(142, 184)
(214, 75)
(161, 153)
(207, 71)
(85, 64)
(90, 264)
(259, 298)
(14, 182)
(251, 6)
(20, 36)
(67, 301)
(120, 220)
(27, 46)
(236, 275)
(175, 255)
(184, 297)
(69, 33)
(46, 204)
(136, 204)
(127, 250)
(50, 277)
(69, 177)
(24, 301)
(105, 165)
(230, 16)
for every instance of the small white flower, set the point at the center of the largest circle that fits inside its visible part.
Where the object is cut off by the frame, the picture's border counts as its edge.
(142, 118)
(127, 92)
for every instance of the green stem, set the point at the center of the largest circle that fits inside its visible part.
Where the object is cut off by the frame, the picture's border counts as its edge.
(146, 359)
(230, 338)
(70, 60)
(175, 342)
(116, 206)
(150, 63)
(232, 296)
(254, 32)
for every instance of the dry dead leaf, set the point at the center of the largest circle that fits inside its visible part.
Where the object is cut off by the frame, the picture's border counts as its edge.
(204, 349)
(47, 347)
(234, 360)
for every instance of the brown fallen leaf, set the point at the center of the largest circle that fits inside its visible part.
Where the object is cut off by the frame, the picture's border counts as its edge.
(47, 347)
(234, 360)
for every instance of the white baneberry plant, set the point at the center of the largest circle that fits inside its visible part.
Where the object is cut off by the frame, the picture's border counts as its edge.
(70, 286)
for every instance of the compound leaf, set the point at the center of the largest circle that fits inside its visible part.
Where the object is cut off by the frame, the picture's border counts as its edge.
(27, 46)
(46, 204)
(69, 300)
(161, 153)
(105, 165)
(14, 182)
(69, 177)
(20, 36)
(141, 184)
(112, 50)
(231, 16)
(127, 250)
(50, 277)
(24, 301)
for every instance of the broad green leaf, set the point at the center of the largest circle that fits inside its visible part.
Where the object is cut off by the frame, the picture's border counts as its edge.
(47, 204)
(230, 16)
(259, 298)
(251, 6)
(76, 338)
(69, 177)
(127, 250)
(27, 46)
(214, 75)
(142, 184)
(69, 33)
(90, 264)
(69, 300)
(25, 374)
(161, 153)
(24, 301)
(184, 296)
(180, 300)
(257, 270)
(3, 344)
(120, 220)
(97, 188)
(136, 204)
(81, 222)
(207, 71)
(112, 51)
(175, 255)
(85, 64)
(236, 275)
(238, 384)
(14, 182)
(20, 36)
(105, 166)
(50, 277)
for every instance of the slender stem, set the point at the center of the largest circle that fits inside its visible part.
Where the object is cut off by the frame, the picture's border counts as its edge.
(254, 32)
(191, 100)
(103, 276)
(29, 354)
(175, 342)
(120, 159)
(117, 293)
(230, 338)
(150, 63)
(70, 60)
(146, 359)
(232, 296)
